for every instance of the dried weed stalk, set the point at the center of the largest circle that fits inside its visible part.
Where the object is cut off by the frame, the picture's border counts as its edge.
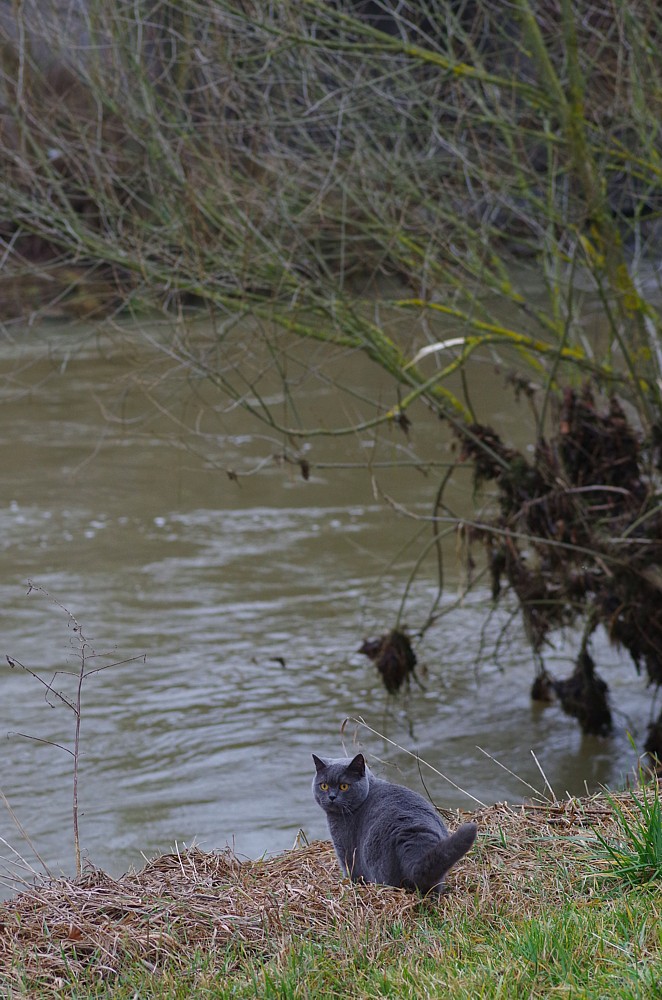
(85, 653)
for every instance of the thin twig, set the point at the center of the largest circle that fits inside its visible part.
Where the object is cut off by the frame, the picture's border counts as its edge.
(361, 722)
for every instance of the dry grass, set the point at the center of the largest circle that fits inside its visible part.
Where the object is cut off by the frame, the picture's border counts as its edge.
(213, 904)
(185, 901)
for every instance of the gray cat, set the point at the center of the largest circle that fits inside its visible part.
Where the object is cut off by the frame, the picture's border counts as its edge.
(383, 832)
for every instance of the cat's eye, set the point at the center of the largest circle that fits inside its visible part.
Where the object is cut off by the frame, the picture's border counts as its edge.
(324, 786)
(344, 786)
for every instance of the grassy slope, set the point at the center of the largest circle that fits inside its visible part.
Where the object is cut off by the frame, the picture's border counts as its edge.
(521, 919)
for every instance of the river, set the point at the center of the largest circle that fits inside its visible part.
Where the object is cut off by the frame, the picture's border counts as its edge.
(245, 603)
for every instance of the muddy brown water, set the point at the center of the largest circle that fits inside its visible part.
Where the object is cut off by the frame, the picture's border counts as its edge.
(246, 603)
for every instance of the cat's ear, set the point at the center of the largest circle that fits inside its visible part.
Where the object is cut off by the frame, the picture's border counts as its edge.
(319, 763)
(358, 765)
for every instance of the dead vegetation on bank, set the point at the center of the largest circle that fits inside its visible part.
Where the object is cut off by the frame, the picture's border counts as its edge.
(193, 901)
(577, 537)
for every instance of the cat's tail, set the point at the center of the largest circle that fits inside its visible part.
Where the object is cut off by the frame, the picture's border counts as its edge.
(433, 866)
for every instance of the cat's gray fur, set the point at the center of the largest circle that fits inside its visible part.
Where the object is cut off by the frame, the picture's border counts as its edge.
(383, 832)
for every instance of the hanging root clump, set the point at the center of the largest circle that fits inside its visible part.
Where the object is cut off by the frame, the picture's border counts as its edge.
(584, 696)
(394, 658)
(578, 539)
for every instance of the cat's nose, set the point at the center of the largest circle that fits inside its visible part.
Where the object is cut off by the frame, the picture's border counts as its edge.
(333, 795)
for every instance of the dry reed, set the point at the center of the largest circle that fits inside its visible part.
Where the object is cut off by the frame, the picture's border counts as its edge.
(214, 904)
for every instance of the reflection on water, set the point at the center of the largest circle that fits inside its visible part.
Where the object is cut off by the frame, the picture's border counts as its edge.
(249, 602)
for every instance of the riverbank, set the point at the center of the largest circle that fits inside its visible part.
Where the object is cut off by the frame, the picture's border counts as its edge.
(525, 915)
